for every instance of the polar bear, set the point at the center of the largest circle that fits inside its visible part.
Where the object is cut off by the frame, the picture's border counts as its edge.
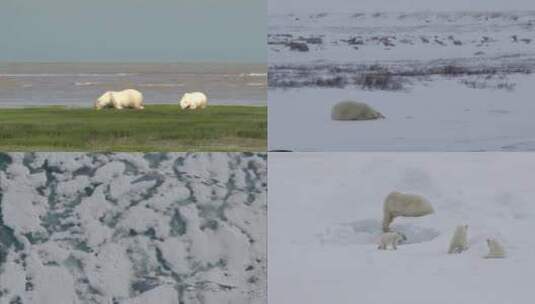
(458, 242)
(496, 250)
(390, 239)
(404, 204)
(352, 110)
(192, 101)
(120, 100)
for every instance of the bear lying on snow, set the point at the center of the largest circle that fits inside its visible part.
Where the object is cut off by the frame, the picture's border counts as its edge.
(459, 242)
(192, 101)
(120, 100)
(404, 204)
(352, 110)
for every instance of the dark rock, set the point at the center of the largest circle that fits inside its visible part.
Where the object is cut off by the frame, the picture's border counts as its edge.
(298, 46)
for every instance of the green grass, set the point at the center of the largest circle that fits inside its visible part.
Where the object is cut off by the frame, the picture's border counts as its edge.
(156, 128)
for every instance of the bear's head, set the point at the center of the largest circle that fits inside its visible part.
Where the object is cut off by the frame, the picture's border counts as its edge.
(185, 102)
(104, 101)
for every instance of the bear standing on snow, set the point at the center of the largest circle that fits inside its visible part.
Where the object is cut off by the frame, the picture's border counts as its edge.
(192, 101)
(404, 204)
(390, 239)
(496, 250)
(458, 242)
(120, 100)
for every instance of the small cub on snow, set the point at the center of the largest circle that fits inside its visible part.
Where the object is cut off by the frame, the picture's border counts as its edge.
(496, 250)
(391, 239)
(458, 242)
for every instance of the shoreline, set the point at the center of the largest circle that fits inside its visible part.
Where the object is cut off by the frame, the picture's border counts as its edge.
(76, 107)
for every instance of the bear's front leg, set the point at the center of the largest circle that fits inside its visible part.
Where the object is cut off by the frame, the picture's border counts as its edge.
(387, 219)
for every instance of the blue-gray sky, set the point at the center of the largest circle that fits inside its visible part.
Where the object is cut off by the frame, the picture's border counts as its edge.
(133, 30)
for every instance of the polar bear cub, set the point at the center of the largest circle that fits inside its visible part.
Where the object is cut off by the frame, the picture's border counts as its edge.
(192, 101)
(404, 204)
(459, 242)
(390, 239)
(496, 250)
(120, 100)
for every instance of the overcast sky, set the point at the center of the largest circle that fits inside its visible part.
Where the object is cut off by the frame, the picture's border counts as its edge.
(133, 30)
(282, 6)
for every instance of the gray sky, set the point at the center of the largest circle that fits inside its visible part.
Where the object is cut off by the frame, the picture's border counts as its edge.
(133, 30)
(283, 6)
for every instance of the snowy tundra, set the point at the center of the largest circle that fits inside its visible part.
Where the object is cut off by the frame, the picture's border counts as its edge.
(446, 81)
(193, 101)
(120, 100)
(325, 218)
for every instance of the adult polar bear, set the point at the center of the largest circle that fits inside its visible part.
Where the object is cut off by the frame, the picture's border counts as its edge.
(192, 101)
(120, 100)
(404, 204)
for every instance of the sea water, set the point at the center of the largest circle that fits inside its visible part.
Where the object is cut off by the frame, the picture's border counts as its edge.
(80, 84)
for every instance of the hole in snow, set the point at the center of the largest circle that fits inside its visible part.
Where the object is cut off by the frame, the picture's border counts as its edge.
(368, 231)
(415, 234)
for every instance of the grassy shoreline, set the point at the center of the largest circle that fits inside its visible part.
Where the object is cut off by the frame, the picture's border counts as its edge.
(156, 128)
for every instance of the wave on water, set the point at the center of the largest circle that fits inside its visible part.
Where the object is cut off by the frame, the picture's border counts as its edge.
(253, 74)
(85, 83)
(256, 84)
(14, 75)
(161, 85)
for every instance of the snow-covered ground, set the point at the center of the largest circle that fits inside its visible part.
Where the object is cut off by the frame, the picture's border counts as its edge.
(325, 212)
(133, 228)
(360, 37)
(443, 115)
(446, 81)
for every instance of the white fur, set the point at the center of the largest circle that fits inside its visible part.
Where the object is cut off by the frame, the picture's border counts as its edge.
(192, 101)
(352, 110)
(391, 239)
(120, 100)
(404, 204)
(459, 242)
(496, 250)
